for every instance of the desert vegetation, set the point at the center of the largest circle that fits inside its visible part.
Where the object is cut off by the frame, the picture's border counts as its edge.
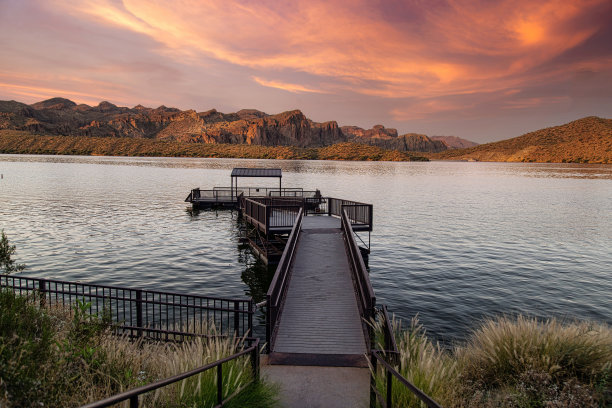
(508, 362)
(21, 142)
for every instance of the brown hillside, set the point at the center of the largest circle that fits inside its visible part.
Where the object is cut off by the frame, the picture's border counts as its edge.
(587, 140)
(21, 142)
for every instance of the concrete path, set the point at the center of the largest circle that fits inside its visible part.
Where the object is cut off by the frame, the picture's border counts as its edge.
(320, 387)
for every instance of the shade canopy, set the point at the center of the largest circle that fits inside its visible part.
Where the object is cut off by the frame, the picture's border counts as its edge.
(256, 172)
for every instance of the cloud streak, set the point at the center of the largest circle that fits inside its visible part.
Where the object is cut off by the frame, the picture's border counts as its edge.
(417, 59)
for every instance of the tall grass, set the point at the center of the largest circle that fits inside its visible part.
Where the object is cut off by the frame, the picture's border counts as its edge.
(508, 362)
(422, 362)
(527, 362)
(60, 357)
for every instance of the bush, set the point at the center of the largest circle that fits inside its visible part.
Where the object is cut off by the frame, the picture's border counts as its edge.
(7, 264)
(508, 362)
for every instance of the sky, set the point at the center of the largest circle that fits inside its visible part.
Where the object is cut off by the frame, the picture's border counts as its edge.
(483, 70)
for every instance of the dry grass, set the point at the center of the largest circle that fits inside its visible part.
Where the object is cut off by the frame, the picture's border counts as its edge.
(527, 362)
(422, 362)
(509, 362)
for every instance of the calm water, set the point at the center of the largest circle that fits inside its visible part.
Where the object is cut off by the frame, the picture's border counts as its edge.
(452, 242)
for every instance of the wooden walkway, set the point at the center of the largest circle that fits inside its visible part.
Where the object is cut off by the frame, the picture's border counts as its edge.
(320, 322)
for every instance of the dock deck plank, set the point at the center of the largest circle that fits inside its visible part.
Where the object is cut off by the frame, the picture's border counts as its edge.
(320, 314)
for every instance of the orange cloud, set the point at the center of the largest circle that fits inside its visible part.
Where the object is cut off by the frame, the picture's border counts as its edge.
(417, 50)
(286, 86)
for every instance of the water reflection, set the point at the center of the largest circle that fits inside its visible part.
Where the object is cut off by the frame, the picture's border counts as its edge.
(452, 242)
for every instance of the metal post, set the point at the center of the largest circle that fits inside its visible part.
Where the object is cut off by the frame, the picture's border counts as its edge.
(219, 385)
(134, 401)
(268, 322)
(251, 313)
(389, 388)
(237, 318)
(255, 363)
(139, 312)
(42, 288)
(373, 380)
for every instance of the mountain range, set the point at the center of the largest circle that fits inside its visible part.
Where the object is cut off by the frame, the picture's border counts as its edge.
(60, 126)
(60, 116)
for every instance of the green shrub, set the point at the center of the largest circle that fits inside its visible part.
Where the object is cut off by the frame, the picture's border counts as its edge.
(7, 264)
(26, 350)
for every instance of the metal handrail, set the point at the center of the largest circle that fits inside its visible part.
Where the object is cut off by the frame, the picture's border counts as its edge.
(391, 372)
(278, 286)
(366, 296)
(132, 395)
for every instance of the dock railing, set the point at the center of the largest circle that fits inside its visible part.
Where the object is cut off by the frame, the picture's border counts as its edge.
(365, 294)
(271, 213)
(225, 194)
(143, 313)
(278, 286)
(133, 395)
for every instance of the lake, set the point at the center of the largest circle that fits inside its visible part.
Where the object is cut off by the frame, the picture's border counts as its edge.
(452, 242)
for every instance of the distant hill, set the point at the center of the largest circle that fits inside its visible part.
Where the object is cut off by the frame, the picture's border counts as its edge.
(587, 140)
(62, 117)
(22, 142)
(454, 142)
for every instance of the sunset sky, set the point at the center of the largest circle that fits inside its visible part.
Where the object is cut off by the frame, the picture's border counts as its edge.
(483, 70)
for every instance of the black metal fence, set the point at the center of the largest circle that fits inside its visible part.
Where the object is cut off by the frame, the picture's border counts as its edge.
(224, 194)
(365, 293)
(271, 214)
(153, 314)
(133, 395)
(278, 286)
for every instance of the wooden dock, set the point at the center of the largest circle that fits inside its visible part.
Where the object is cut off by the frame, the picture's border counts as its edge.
(320, 323)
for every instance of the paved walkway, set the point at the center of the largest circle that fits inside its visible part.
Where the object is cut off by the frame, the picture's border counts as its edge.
(320, 387)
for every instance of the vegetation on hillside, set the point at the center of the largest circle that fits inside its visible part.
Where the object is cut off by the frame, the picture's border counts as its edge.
(20, 142)
(508, 362)
(587, 140)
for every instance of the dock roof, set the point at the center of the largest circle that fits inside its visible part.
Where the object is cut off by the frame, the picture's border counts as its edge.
(256, 172)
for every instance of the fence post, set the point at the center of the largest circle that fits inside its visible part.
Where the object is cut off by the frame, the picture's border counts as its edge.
(389, 388)
(42, 288)
(139, 312)
(268, 322)
(251, 313)
(219, 385)
(134, 401)
(237, 318)
(255, 363)
(373, 380)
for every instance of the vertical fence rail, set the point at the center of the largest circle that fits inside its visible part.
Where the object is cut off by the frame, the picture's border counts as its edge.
(153, 314)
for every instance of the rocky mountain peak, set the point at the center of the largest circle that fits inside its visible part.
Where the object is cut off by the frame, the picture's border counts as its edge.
(54, 103)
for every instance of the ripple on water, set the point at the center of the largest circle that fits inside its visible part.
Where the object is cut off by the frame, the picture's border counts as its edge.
(452, 242)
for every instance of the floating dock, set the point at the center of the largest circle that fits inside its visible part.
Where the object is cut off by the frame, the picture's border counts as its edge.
(320, 298)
